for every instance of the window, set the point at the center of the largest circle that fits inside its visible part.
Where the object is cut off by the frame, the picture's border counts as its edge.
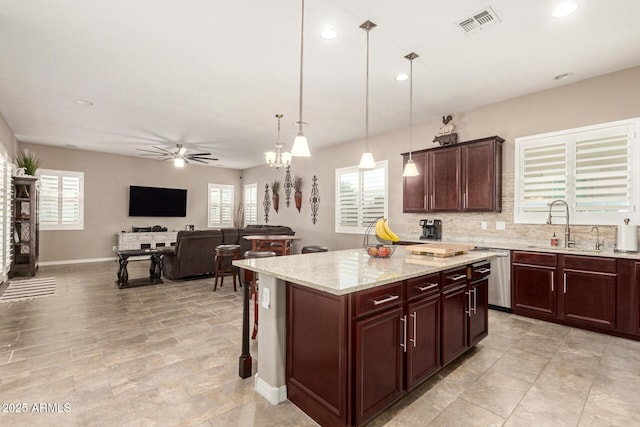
(591, 168)
(61, 200)
(220, 206)
(250, 204)
(361, 197)
(5, 219)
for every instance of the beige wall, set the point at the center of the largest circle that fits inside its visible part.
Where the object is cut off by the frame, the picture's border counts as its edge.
(106, 183)
(606, 98)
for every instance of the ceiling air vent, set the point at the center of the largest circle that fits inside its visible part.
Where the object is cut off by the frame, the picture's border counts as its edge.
(478, 21)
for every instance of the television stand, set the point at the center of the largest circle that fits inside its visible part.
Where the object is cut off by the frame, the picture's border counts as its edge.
(146, 240)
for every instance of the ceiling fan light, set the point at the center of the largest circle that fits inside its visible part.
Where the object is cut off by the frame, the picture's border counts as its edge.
(178, 162)
(410, 169)
(367, 161)
(300, 146)
(182, 150)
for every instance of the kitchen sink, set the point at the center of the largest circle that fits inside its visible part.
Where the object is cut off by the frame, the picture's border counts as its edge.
(562, 249)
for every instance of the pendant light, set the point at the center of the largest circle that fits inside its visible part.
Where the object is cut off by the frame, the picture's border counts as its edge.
(366, 161)
(410, 168)
(300, 146)
(277, 159)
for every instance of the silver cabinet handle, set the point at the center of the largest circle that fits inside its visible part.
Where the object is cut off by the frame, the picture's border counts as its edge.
(468, 294)
(415, 317)
(552, 280)
(432, 201)
(424, 203)
(403, 319)
(483, 270)
(426, 288)
(382, 301)
(457, 277)
(565, 283)
(464, 200)
(475, 300)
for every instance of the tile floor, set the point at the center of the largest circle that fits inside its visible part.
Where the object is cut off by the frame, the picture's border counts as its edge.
(167, 355)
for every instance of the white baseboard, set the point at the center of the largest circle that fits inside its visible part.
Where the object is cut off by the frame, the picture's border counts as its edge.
(274, 395)
(76, 261)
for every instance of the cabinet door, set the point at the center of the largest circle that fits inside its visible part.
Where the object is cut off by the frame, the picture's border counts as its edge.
(415, 188)
(378, 362)
(444, 176)
(481, 173)
(479, 318)
(588, 298)
(423, 342)
(636, 308)
(533, 291)
(454, 323)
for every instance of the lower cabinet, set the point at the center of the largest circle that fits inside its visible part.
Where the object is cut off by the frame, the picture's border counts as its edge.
(576, 290)
(636, 305)
(352, 356)
(378, 362)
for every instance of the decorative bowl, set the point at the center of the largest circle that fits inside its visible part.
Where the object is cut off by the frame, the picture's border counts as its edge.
(380, 251)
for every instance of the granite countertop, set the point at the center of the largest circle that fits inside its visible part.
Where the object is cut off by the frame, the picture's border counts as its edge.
(346, 271)
(525, 246)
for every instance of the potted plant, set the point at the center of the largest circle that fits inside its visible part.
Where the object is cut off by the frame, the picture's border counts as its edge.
(275, 189)
(297, 186)
(28, 161)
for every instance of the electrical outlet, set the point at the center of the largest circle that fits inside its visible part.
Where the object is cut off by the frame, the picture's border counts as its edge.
(266, 298)
(483, 224)
(501, 225)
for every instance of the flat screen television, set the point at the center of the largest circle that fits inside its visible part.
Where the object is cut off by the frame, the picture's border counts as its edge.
(155, 201)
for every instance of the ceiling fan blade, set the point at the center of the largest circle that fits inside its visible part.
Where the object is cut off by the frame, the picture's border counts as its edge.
(214, 159)
(162, 149)
(158, 155)
(198, 160)
(149, 151)
(199, 154)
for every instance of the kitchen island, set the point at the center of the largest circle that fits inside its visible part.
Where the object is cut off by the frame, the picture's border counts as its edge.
(344, 335)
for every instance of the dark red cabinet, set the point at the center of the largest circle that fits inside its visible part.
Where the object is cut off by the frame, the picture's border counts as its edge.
(454, 322)
(378, 362)
(479, 313)
(533, 290)
(461, 177)
(423, 342)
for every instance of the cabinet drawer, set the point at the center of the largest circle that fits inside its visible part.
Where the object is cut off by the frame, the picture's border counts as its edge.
(379, 298)
(454, 277)
(589, 263)
(480, 269)
(423, 285)
(534, 258)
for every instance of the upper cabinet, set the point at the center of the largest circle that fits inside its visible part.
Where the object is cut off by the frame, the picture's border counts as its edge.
(461, 177)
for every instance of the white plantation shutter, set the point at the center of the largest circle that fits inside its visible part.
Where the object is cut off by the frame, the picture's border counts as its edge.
(593, 169)
(603, 173)
(220, 206)
(61, 204)
(250, 204)
(5, 236)
(361, 197)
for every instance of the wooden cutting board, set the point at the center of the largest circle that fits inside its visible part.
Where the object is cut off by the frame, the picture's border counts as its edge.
(439, 249)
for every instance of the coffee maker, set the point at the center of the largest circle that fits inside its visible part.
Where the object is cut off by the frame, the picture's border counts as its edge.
(431, 229)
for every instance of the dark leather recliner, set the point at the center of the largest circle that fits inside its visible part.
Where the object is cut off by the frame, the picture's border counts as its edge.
(192, 255)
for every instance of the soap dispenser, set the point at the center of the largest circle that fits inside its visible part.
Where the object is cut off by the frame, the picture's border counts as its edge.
(554, 240)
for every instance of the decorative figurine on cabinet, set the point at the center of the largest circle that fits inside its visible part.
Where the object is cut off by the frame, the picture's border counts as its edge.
(445, 135)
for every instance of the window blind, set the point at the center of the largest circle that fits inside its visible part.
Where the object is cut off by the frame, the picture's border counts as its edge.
(250, 204)
(220, 206)
(361, 197)
(544, 176)
(5, 236)
(61, 201)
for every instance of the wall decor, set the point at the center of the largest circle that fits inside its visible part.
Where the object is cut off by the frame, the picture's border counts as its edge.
(314, 200)
(445, 135)
(297, 187)
(266, 204)
(287, 185)
(275, 189)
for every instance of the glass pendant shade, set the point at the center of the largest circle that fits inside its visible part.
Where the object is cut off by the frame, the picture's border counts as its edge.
(410, 169)
(270, 157)
(367, 161)
(178, 162)
(300, 146)
(277, 159)
(286, 158)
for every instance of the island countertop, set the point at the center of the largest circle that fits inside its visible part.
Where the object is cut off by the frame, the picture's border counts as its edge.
(351, 270)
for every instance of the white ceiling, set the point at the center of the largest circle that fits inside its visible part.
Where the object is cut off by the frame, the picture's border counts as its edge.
(212, 74)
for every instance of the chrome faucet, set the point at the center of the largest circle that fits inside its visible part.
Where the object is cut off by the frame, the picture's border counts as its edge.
(599, 244)
(567, 230)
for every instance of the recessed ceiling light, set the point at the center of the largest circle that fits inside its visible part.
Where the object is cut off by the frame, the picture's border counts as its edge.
(564, 9)
(563, 76)
(402, 77)
(329, 34)
(83, 102)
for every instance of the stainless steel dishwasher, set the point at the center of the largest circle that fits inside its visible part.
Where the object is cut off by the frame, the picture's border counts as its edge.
(499, 279)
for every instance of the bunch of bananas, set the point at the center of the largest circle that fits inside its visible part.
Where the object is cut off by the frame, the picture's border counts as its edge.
(384, 232)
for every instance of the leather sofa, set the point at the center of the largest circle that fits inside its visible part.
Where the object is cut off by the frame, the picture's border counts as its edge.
(192, 255)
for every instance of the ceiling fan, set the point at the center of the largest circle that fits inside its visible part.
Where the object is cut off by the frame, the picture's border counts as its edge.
(180, 156)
